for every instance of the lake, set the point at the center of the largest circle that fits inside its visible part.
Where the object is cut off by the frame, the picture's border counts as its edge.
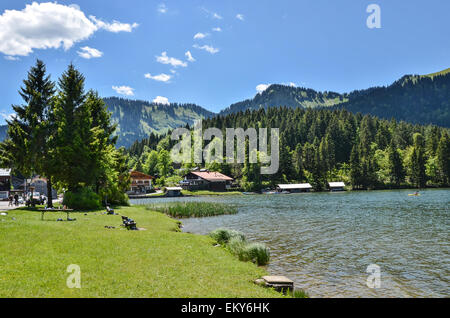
(324, 242)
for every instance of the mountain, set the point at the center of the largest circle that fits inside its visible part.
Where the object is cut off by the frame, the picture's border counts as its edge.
(421, 99)
(281, 95)
(3, 132)
(418, 99)
(137, 119)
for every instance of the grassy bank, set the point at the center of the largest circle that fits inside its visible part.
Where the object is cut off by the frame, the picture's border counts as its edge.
(158, 262)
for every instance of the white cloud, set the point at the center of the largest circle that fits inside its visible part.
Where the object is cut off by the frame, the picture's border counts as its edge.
(160, 78)
(89, 53)
(240, 16)
(189, 56)
(262, 87)
(207, 48)
(124, 90)
(49, 25)
(200, 35)
(173, 71)
(292, 84)
(161, 100)
(212, 14)
(114, 27)
(218, 29)
(11, 58)
(162, 8)
(164, 59)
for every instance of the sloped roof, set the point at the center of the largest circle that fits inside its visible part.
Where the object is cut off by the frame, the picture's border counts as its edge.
(295, 186)
(336, 184)
(140, 175)
(212, 176)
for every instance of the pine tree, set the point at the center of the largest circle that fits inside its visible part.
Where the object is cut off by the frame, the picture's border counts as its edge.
(29, 132)
(395, 166)
(70, 151)
(443, 155)
(418, 160)
(355, 169)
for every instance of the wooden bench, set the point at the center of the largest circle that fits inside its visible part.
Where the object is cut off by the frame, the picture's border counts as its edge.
(43, 211)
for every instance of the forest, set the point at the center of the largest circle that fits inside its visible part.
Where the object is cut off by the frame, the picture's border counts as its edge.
(321, 145)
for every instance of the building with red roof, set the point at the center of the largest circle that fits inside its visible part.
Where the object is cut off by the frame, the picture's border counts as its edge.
(206, 180)
(140, 182)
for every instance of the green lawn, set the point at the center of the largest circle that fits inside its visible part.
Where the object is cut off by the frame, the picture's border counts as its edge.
(158, 262)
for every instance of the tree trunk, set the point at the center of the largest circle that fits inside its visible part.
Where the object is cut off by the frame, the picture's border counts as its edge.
(49, 193)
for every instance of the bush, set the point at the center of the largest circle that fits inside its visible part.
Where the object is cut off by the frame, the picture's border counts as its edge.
(236, 243)
(84, 199)
(237, 246)
(223, 236)
(257, 253)
(114, 196)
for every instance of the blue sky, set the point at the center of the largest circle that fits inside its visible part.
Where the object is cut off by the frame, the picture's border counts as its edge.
(237, 45)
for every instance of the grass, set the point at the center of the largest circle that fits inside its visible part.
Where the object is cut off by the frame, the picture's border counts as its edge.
(300, 293)
(158, 262)
(192, 209)
(207, 192)
(235, 241)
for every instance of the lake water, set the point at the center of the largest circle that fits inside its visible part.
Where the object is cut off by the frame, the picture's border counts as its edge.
(325, 241)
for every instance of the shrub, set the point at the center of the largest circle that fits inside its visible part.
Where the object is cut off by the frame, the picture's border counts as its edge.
(257, 253)
(237, 245)
(235, 242)
(223, 236)
(84, 199)
(114, 196)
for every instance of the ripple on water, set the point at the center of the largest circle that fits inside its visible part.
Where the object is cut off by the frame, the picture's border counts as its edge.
(325, 241)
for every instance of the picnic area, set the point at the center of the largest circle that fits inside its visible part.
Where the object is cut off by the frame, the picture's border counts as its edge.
(115, 262)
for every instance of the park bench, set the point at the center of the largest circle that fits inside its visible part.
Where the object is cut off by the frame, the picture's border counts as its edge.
(129, 223)
(43, 211)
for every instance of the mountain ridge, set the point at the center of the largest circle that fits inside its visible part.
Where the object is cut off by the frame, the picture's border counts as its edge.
(420, 99)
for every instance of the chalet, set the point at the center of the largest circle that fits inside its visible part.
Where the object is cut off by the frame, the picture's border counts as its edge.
(5, 183)
(173, 191)
(336, 186)
(140, 182)
(39, 185)
(206, 180)
(295, 188)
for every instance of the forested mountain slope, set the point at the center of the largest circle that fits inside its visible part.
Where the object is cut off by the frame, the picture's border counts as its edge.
(138, 119)
(422, 99)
